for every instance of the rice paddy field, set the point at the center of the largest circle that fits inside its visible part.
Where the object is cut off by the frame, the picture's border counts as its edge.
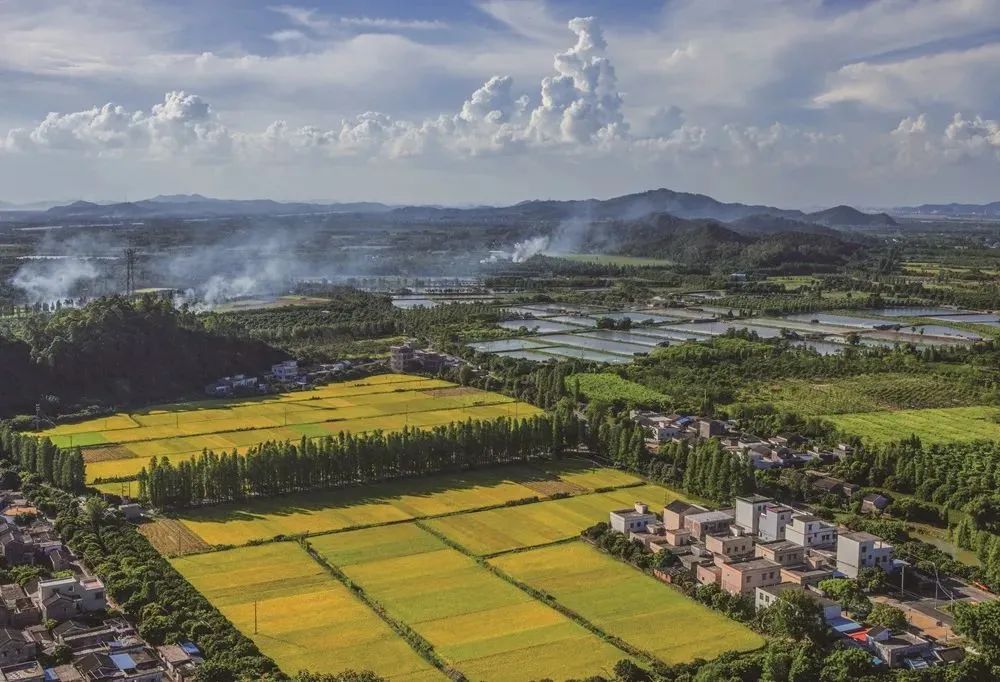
(305, 618)
(477, 622)
(930, 425)
(500, 530)
(398, 501)
(119, 446)
(625, 603)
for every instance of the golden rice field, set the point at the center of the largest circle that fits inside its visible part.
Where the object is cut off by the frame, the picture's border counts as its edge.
(477, 622)
(650, 616)
(305, 618)
(501, 530)
(119, 446)
(411, 498)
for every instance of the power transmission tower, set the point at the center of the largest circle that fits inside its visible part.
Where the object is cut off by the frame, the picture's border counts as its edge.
(130, 255)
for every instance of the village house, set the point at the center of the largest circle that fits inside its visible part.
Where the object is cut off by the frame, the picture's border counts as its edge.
(729, 546)
(285, 371)
(765, 597)
(895, 649)
(674, 513)
(16, 547)
(803, 574)
(228, 386)
(781, 552)
(858, 551)
(181, 660)
(15, 646)
(810, 531)
(748, 510)
(135, 664)
(708, 522)
(62, 598)
(30, 671)
(633, 520)
(773, 521)
(17, 609)
(708, 574)
(710, 428)
(874, 503)
(407, 358)
(656, 426)
(743, 577)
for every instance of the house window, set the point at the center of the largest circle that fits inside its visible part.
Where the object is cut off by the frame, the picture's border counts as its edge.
(748, 580)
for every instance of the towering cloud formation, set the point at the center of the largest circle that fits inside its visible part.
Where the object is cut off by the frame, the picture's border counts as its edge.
(579, 105)
(582, 103)
(180, 123)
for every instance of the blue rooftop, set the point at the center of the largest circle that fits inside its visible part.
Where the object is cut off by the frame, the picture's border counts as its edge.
(123, 661)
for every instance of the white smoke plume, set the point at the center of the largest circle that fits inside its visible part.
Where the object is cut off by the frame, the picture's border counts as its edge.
(47, 280)
(529, 247)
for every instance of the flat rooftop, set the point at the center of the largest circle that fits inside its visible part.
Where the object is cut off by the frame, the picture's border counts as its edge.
(753, 565)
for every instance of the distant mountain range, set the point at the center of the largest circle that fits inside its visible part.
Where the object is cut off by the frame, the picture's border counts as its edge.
(991, 210)
(197, 206)
(746, 217)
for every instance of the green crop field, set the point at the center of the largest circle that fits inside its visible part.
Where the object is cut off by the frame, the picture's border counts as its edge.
(608, 387)
(931, 426)
(865, 393)
(501, 530)
(651, 616)
(395, 501)
(477, 622)
(118, 446)
(305, 618)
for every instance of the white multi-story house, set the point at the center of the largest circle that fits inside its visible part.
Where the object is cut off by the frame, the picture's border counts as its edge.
(810, 531)
(633, 520)
(857, 551)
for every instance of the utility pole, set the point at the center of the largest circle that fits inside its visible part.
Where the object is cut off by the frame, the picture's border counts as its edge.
(255, 616)
(130, 254)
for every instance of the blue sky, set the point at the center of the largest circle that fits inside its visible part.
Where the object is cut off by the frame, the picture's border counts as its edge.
(791, 102)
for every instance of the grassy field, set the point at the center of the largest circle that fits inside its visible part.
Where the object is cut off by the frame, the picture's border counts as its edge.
(931, 426)
(608, 387)
(865, 393)
(120, 445)
(478, 623)
(305, 618)
(645, 613)
(395, 501)
(609, 259)
(501, 530)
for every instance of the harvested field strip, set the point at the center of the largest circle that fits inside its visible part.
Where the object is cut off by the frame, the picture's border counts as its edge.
(477, 622)
(500, 530)
(172, 538)
(627, 604)
(930, 425)
(305, 618)
(392, 501)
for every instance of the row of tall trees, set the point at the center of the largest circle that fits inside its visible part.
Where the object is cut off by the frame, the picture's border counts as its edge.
(276, 468)
(62, 468)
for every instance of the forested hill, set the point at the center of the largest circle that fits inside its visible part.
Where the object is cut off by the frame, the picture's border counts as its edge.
(720, 246)
(117, 351)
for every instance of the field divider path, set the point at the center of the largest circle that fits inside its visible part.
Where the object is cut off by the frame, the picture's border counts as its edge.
(546, 599)
(420, 646)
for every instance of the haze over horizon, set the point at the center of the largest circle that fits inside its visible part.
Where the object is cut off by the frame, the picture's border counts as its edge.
(870, 103)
